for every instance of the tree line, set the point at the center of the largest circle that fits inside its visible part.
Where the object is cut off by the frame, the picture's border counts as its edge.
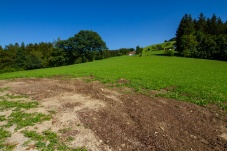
(202, 38)
(83, 47)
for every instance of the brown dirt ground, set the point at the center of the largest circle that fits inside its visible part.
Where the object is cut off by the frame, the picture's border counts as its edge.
(104, 118)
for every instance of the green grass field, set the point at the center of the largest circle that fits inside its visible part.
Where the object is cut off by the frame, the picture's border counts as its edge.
(195, 80)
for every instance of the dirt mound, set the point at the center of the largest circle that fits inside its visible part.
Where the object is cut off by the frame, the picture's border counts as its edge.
(106, 119)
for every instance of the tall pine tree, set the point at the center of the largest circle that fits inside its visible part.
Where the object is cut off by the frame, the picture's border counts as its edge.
(186, 27)
(201, 24)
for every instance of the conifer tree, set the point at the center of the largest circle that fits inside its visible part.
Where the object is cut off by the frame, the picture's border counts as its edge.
(201, 24)
(186, 27)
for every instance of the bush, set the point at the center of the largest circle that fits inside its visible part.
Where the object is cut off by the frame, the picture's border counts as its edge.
(78, 60)
(169, 52)
(159, 47)
(8, 70)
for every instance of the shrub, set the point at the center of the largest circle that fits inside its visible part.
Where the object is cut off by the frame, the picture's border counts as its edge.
(169, 52)
(159, 47)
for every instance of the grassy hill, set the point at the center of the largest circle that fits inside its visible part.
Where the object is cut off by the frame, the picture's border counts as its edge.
(158, 49)
(195, 80)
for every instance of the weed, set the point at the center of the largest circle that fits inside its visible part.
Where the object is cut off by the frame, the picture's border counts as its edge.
(3, 135)
(65, 130)
(3, 89)
(48, 140)
(2, 98)
(14, 96)
(26, 143)
(9, 146)
(87, 126)
(52, 112)
(22, 119)
(70, 138)
(2, 118)
(17, 105)
(33, 135)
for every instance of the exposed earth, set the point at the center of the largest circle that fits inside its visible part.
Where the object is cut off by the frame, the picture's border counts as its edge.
(101, 117)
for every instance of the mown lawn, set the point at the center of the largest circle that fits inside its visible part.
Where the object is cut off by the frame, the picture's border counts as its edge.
(195, 80)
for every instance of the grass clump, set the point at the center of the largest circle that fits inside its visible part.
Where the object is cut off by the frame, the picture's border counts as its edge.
(3, 136)
(2, 118)
(3, 89)
(65, 130)
(48, 140)
(22, 119)
(14, 96)
(17, 105)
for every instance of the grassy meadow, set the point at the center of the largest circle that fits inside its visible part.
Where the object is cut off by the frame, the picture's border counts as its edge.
(158, 49)
(195, 80)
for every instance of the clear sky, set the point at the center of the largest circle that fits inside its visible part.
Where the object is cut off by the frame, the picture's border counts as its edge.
(121, 23)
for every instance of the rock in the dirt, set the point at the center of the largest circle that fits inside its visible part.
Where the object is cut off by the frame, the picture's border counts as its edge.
(224, 136)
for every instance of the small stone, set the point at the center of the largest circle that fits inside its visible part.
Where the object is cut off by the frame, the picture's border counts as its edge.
(204, 141)
(161, 128)
(193, 136)
(224, 136)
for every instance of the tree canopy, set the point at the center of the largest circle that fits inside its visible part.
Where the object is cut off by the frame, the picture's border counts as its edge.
(202, 38)
(84, 46)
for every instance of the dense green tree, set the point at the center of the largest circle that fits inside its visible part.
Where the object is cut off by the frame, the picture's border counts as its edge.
(212, 25)
(186, 27)
(220, 27)
(139, 50)
(222, 47)
(45, 50)
(208, 47)
(32, 62)
(89, 44)
(68, 48)
(57, 58)
(21, 57)
(5, 60)
(189, 45)
(1, 49)
(84, 46)
(225, 28)
(10, 52)
(208, 40)
(201, 24)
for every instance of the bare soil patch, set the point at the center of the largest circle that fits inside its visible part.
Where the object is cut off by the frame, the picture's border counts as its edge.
(101, 118)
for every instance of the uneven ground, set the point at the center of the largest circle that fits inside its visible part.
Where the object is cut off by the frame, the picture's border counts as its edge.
(102, 118)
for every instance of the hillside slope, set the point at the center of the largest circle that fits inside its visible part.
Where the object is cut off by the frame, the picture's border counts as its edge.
(158, 49)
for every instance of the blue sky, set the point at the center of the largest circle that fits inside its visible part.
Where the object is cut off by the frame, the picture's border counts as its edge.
(121, 23)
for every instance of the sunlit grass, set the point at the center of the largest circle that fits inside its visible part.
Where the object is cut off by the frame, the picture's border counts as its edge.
(196, 80)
